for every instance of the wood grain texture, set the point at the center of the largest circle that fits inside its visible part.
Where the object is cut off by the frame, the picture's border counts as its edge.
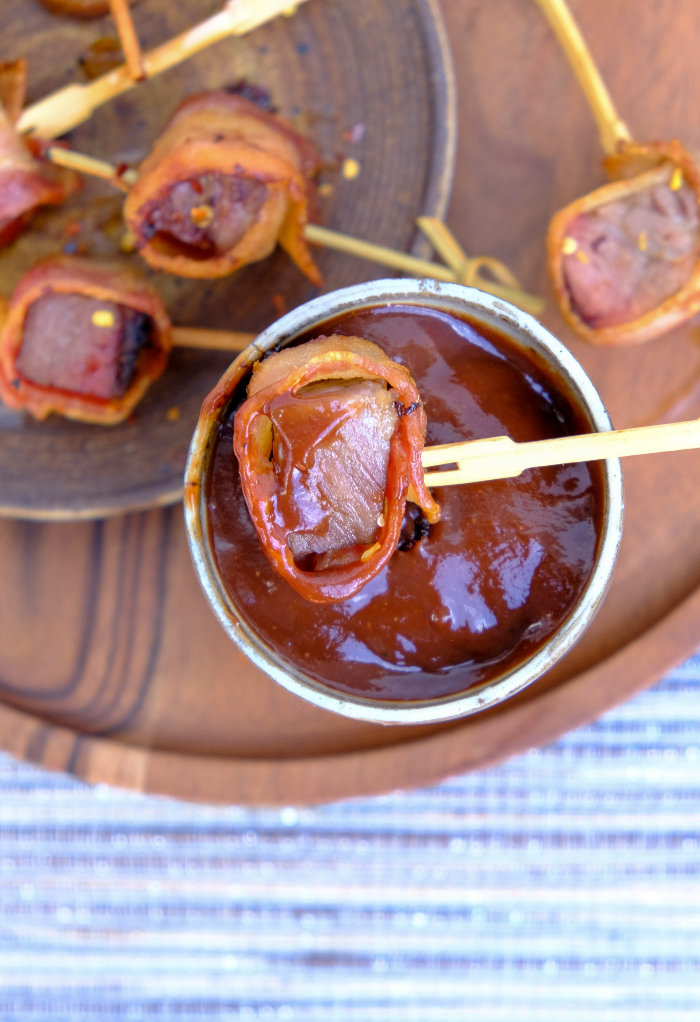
(334, 65)
(112, 665)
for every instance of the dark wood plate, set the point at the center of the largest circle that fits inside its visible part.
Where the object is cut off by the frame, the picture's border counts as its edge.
(337, 64)
(112, 666)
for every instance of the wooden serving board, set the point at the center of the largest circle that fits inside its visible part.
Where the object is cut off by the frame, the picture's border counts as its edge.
(365, 79)
(112, 665)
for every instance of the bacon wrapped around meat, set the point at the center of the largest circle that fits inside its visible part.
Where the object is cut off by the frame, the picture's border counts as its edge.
(25, 182)
(329, 447)
(625, 260)
(82, 339)
(224, 183)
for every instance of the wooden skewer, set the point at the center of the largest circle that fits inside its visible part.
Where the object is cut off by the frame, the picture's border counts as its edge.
(212, 340)
(131, 47)
(90, 166)
(611, 127)
(501, 458)
(417, 267)
(66, 108)
(445, 244)
(331, 239)
(466, 269)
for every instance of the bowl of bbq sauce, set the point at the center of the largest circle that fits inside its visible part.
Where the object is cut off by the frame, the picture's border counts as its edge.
(468, 609)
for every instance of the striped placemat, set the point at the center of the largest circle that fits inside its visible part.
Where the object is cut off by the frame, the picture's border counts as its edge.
(563, 886)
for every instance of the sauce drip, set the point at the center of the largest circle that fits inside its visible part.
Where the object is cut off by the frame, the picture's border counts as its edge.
(477, 593)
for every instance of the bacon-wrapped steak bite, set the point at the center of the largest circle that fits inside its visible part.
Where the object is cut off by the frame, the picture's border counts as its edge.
(224, 183)
(625, 260)
(25, 182)
(329, 446)
(82, 339)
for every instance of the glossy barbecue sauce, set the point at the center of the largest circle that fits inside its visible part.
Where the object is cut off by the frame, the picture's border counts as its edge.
(470, 597)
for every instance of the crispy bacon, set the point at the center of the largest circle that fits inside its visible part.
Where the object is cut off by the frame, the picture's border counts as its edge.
(329, 447)
(25, 183)
(82, 339)
(625, 260)
(224, 183)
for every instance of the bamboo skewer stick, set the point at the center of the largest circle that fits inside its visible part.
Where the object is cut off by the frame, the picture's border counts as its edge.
(376, 253)
(501, 458)
(212, 340)
(611, 127)
(417, 267)
(330, 239)
(65, 109)
(90, 166)
(121, 13)
(445, 244)
(467, 269)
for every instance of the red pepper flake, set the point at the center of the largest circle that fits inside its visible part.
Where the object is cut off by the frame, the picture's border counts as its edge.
(196, 186)
(355, 134)
(37, 147)
(280, 305)
(202, 216)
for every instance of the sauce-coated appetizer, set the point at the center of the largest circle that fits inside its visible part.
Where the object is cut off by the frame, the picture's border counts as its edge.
(329, 448)
(224, 183)
(82, 339)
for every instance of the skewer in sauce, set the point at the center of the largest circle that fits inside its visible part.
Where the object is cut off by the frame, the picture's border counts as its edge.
(462, 599)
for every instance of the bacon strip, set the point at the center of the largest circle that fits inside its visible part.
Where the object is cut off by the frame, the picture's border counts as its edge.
(109, 283)
(627, 290)
(224, 183)
(25, 183)
(333, 358)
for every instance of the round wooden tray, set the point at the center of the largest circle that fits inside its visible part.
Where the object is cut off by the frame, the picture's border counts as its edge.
(112, 666)
(327, 74)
